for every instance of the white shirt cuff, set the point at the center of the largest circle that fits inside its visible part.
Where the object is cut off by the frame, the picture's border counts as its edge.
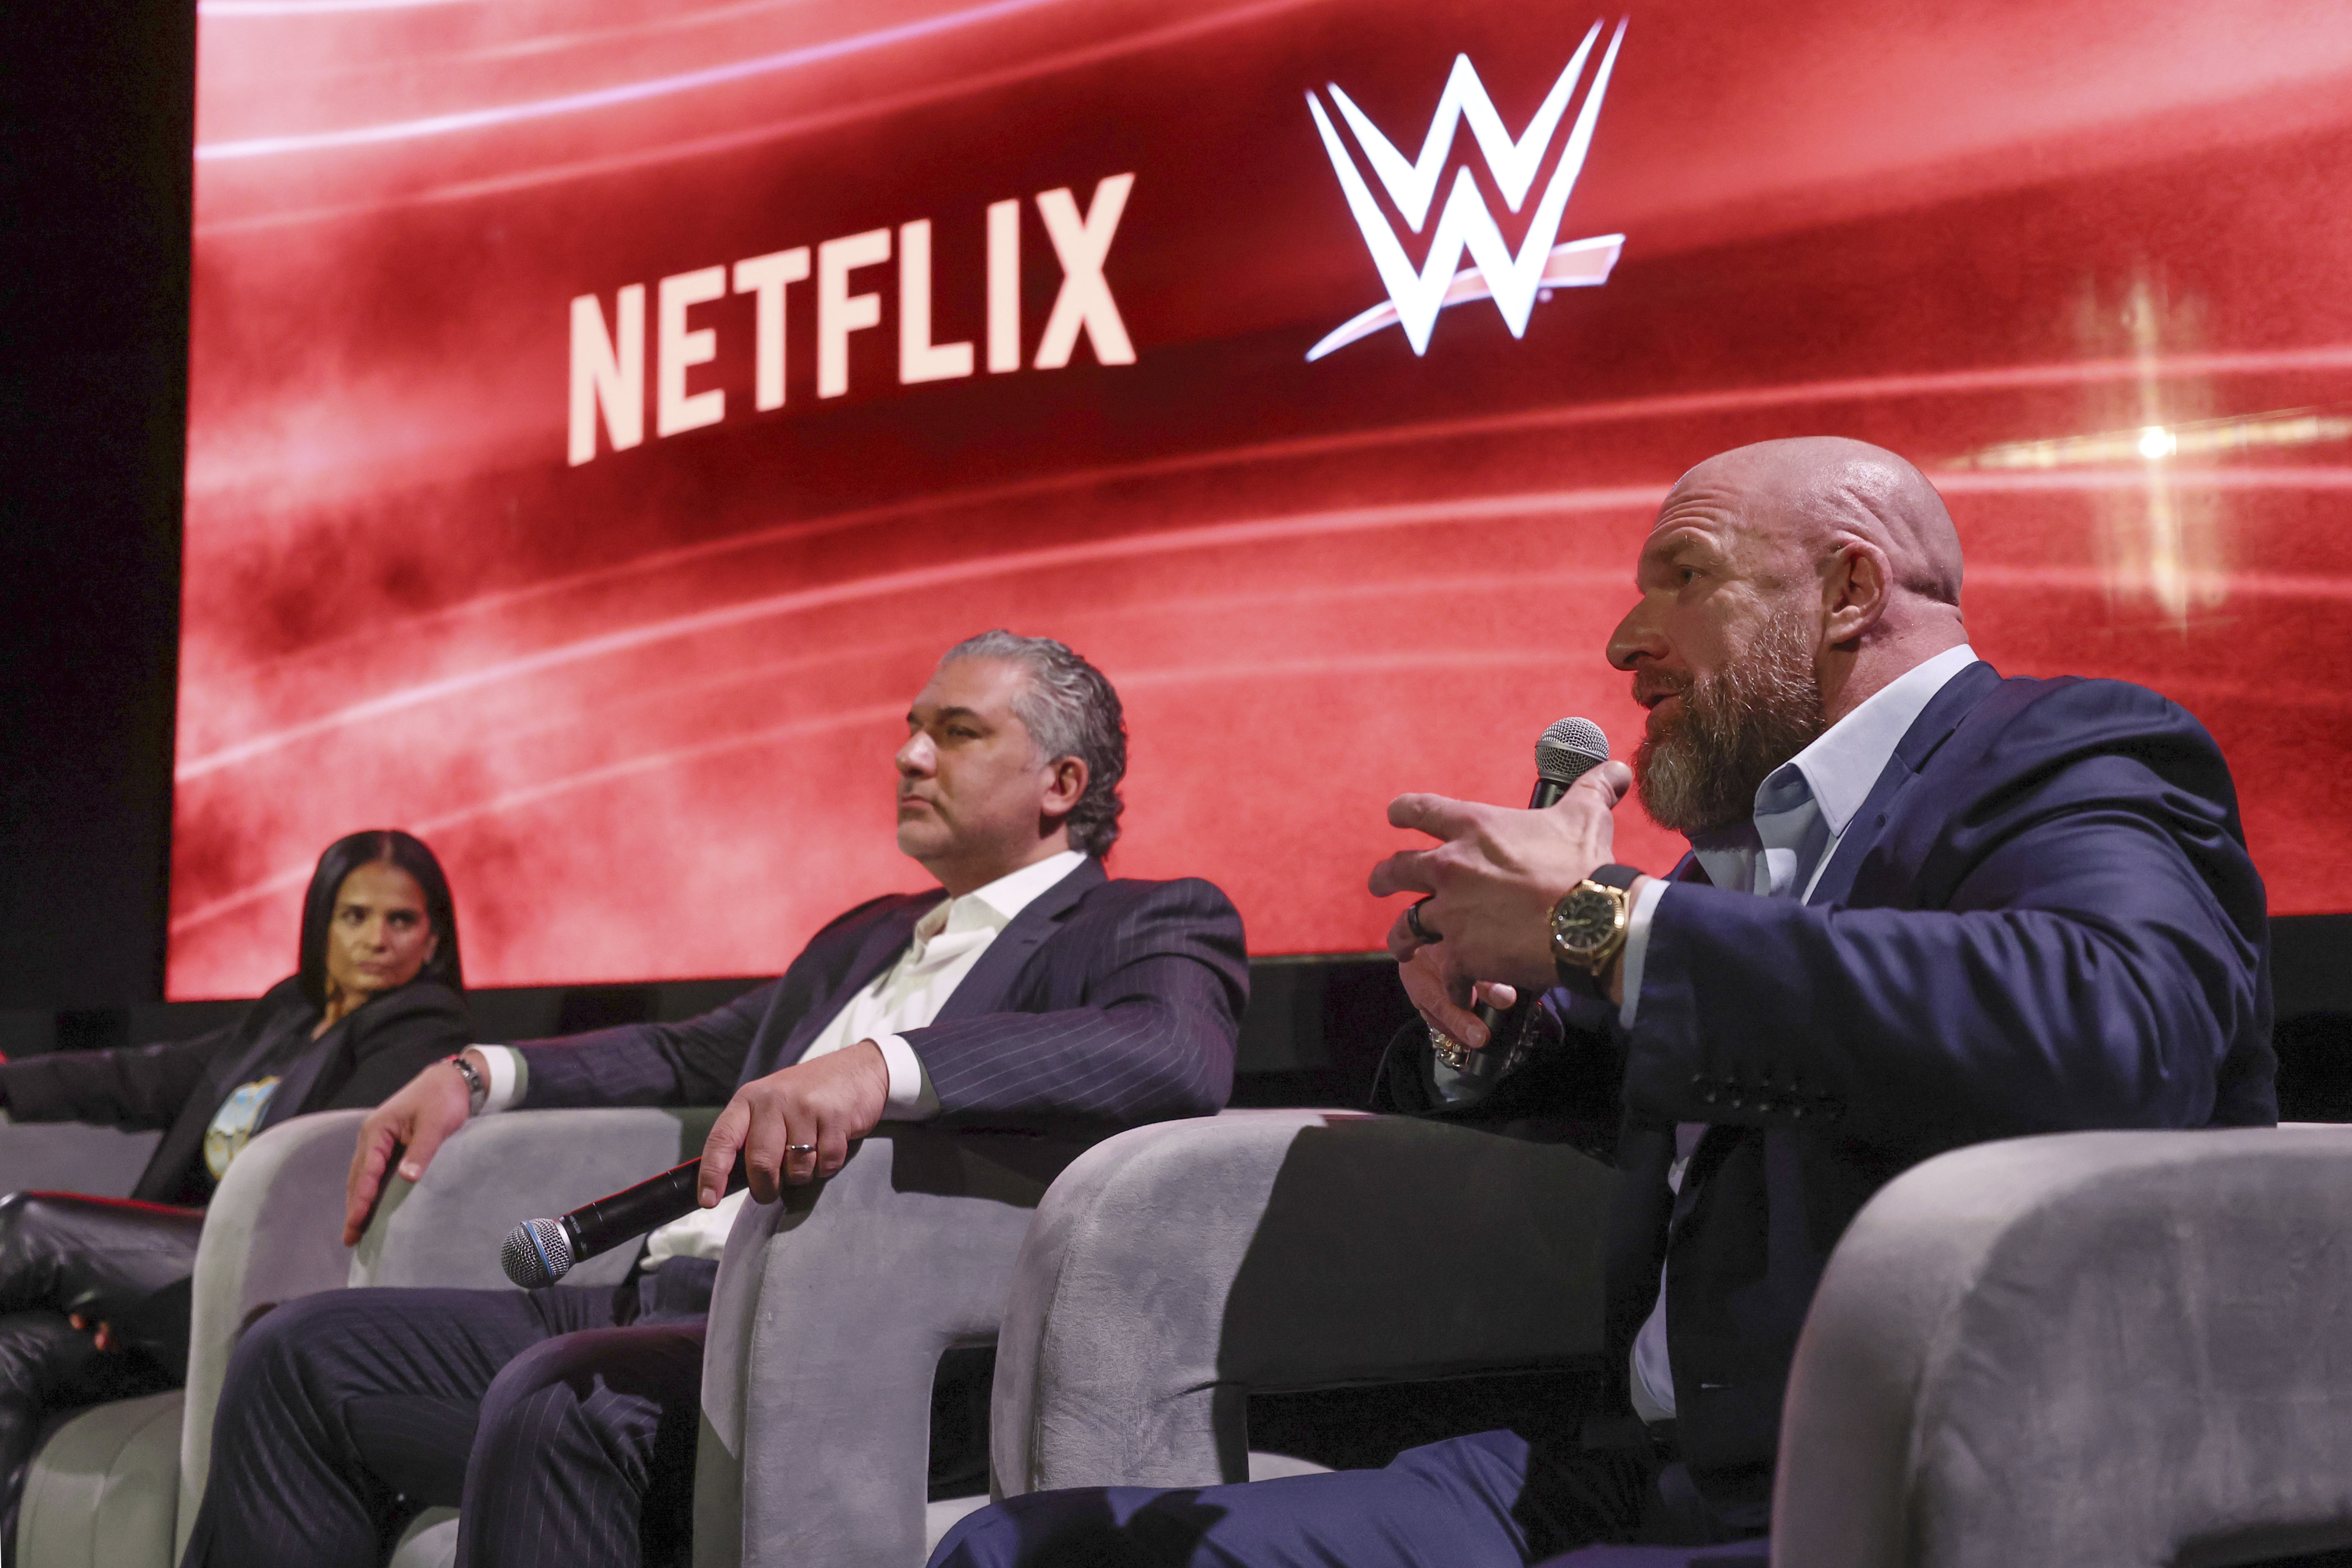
(1637, 945)
(911, 1098)
(507, 1077)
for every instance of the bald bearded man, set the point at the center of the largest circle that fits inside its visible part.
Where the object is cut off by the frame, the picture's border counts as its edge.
(1924, 907)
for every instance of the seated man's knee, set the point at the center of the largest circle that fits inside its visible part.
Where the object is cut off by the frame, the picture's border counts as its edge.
(568, 1397)
(284, 1340)
(555, 1372)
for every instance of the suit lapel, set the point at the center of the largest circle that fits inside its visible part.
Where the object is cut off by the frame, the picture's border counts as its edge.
(184, 1140)
(300, 1072)
(1934, 726)
(301, 1076)
(877, 951)
(1945, 710)
(990, 984)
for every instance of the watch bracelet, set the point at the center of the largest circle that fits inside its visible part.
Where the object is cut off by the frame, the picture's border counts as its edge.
(477, 1092)
(1521, 1021)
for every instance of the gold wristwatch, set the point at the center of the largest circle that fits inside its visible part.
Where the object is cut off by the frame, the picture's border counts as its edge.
(1589, 924)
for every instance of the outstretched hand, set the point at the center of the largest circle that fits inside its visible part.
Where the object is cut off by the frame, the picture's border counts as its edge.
(418, 1119)
(1491, 880)
(821, 1105)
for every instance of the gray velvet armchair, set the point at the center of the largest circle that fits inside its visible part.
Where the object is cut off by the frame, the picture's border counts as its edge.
(2109, 1350)
(1175, 1269)
(118, 1485)
(2105, 1349)
(832, 1308)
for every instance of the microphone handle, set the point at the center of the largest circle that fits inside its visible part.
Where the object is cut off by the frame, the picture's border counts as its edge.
(606, 1224)
(1547, 794)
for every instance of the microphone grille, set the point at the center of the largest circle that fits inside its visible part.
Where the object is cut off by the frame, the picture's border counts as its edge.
(1568, 748)
(537, 1254)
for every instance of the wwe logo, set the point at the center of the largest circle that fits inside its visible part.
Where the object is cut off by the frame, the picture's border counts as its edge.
(1465, 224)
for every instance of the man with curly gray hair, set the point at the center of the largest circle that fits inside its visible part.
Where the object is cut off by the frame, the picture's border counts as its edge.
(1069, 710)
(1027, 990)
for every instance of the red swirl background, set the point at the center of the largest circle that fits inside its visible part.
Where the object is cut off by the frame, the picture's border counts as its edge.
(644, 707)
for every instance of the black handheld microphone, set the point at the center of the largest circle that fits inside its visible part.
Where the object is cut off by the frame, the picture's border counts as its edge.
(539, 1252)
(1566, 751)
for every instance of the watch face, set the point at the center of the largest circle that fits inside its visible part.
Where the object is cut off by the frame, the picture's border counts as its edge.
(1584, 922)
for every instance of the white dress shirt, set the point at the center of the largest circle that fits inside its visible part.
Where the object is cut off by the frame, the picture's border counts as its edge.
(1802, 810)
(948, 943)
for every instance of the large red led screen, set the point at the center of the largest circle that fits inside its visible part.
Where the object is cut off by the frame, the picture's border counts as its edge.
(602, 412)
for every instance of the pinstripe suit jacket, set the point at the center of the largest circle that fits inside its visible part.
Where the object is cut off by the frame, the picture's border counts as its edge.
(1102, 1002)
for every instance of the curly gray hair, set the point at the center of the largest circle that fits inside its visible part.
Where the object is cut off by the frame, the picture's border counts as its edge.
(1070, 710)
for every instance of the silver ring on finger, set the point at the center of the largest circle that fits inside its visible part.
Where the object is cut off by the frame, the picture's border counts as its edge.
(1413, 920)
(800, 1148)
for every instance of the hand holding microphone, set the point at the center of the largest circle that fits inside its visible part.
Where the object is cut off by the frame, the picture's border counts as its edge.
(539, 1252)
(1495, 875)
(1565, 751)
(778, 1130)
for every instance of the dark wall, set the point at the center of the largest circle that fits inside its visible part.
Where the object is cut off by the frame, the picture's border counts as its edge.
(98, 123)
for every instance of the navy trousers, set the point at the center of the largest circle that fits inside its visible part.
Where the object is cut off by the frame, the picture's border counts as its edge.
(565, 1436)
(1492, 1500)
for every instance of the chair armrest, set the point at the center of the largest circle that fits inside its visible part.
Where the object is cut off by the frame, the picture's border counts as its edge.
(2094, 1347)
(71, 1157)
(498, 1171)
(831, 1312)
(273, 1231)
(1176, 1267)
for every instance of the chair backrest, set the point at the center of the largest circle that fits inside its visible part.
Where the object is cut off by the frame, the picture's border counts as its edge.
(831, 1310)
(1175, 1269)
(2127, 1349)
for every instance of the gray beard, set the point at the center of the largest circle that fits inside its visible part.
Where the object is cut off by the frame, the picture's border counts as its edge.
(1735, 727)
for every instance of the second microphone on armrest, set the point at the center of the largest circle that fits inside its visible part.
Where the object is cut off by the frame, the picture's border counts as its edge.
(539, 1252)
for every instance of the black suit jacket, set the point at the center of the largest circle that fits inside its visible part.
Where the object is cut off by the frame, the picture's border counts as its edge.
(180, 1085)
(2043, 919)
(1103, 1004)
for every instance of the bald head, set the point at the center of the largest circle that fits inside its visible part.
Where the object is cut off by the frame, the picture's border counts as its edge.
(1783, 585)
(1813, 494)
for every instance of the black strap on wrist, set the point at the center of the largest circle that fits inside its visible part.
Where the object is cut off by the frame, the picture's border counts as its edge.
(1614, 876)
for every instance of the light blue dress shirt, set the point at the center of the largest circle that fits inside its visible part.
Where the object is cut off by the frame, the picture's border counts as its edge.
(1802, 810)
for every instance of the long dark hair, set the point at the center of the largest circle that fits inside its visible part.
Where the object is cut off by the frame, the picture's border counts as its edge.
(347, 855)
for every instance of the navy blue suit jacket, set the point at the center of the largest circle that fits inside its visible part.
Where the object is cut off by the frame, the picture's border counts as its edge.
(2043, 919)
(1103, 1004)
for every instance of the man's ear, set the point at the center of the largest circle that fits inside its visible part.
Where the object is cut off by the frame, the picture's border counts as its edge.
(1854, 590)
(1066, 785)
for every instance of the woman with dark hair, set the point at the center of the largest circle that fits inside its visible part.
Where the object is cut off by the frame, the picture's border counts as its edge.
(94, 1292)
